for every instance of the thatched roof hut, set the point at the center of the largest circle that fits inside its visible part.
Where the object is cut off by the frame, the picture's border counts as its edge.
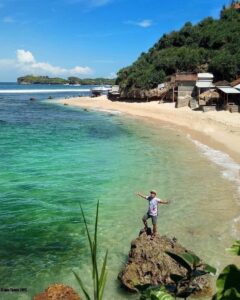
(235, 82)
(210, 95)
(222, 83)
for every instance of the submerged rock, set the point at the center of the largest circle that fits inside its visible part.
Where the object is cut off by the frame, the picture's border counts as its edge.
(148, 263)
(57, 292)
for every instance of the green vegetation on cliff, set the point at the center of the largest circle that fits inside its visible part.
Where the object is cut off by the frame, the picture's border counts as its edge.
(211, 45)
(30, 79)
(90, 81)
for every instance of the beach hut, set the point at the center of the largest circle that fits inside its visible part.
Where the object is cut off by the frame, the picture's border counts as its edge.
(204, 83)
(183, 88)
(208, 100)
(205, 77)
(230, 98)
(236, 5)
(236, 84)
(209, 95)
(100, 90)
(161, 86)
(222, 83)
(114, 93)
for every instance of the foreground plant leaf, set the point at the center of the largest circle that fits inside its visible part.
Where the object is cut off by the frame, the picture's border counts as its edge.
(190, 258)
(209, 269)
(228, 283)
(82, 286)
(143, 287)
(156, 293)
(176, 278)
(162, 295)
(180, 260)
(235, 249)
(99, 282)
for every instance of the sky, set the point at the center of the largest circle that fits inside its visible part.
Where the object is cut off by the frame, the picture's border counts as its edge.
(87, 38)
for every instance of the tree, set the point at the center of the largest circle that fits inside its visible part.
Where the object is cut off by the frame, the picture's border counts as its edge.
(213, 43)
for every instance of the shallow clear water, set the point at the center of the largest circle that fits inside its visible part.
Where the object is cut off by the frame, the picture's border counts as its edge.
(53, 157)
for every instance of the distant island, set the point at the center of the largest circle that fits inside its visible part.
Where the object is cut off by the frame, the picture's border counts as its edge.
(31, 79)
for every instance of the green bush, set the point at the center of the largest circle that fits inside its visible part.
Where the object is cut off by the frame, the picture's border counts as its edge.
(212, 43)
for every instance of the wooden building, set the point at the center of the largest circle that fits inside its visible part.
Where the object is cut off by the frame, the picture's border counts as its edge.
(230, 98)
(236, 5)
(114, 93)
(205, 87)
(183, 88)
(236, 84)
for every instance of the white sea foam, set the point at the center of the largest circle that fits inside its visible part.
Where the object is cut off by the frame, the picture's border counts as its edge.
(236, 227)
(230, 169)
(41, 91)
(114, 112)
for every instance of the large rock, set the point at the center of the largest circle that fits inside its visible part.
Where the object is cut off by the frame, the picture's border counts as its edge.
(148, 263)
(143, 95)
(57, 292)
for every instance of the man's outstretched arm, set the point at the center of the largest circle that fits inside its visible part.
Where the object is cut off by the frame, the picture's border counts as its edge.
(141, 195)
(164, 202)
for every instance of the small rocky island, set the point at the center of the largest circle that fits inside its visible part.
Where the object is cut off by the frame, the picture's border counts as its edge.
(148, 263)
(31, 79)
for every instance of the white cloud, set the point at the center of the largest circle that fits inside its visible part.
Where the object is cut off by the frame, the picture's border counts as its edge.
(25, 62)
(25, 57)
(80, 70)
(8, 19)
(144, 23)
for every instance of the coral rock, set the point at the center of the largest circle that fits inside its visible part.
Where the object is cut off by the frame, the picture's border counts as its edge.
(58, 292)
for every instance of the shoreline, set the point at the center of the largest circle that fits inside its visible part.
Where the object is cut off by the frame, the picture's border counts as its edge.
(219, 130)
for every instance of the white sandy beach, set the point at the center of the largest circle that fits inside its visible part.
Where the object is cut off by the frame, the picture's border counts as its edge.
(220, 130)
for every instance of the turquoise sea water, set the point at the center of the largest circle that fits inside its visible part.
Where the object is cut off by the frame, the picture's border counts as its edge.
(53, 157)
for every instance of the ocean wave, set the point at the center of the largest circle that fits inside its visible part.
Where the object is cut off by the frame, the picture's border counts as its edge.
(230, 169)
(41, 91)
(113, 112)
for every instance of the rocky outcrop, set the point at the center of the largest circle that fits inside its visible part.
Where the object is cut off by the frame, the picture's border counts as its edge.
(148, 263)
(57, 292)
(143, 95)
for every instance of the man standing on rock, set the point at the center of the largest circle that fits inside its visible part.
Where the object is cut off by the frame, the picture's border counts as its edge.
(152, 209)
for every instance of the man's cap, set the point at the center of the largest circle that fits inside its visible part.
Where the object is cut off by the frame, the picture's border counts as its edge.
(153, 192)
